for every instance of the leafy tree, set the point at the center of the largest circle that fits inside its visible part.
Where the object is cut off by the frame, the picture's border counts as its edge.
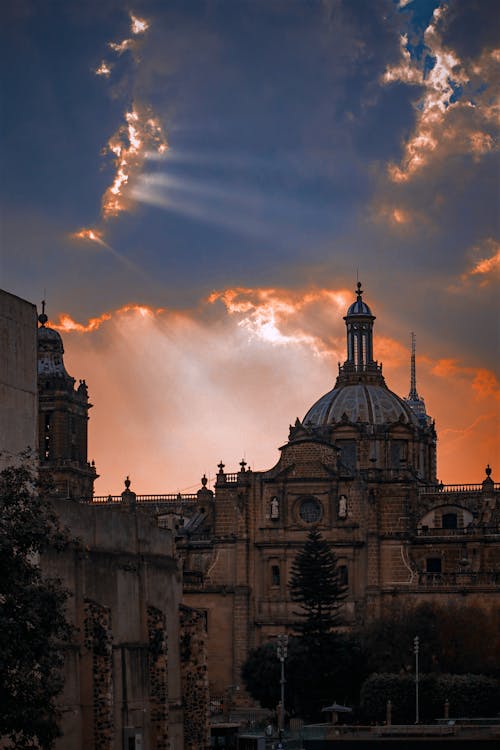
(448, 639)
(33, 625)
(316, 586)
(314, 677)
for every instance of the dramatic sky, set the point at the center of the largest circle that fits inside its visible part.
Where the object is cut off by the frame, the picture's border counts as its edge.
(194, 185)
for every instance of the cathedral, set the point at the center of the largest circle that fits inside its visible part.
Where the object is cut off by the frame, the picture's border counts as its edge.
(360, 466)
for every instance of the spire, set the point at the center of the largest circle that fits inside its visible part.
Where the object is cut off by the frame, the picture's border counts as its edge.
(413, 395)
(414, 401)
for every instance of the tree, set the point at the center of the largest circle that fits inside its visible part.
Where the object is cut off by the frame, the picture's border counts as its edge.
(33, 626)
(448, 639)
(316, 586)
(467, 695)
(314, 676)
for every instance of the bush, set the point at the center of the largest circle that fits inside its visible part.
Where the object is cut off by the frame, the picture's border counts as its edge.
(468, 695)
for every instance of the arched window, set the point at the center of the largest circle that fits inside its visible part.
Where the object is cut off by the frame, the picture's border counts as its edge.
(275, 575)
(433, 565)
(343, 574)
(449, 521)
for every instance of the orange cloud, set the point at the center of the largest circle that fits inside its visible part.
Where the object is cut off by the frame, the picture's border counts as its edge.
(446, 124)
(175, 391)
(485, 267)
(67, 324)
(140, 134)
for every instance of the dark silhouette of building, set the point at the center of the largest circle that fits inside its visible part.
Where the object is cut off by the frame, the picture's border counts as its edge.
(63, 413)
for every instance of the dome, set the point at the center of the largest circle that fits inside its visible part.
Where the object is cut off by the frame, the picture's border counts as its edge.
(50, 353)
(359, 308)
(359, 402)
(50, 340)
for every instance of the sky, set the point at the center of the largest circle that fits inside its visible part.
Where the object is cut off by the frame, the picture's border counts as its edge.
(195, 187)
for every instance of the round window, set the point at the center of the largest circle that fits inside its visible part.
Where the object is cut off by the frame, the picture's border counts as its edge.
(310, 510)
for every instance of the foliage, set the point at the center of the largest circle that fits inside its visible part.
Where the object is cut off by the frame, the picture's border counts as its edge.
(468, 695)
(322, 665)
(33, 626)
(315, 585)
(448, 640)
(261, 674)
(314, 677)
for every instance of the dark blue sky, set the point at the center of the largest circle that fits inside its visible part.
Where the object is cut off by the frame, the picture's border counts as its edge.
(282, 127)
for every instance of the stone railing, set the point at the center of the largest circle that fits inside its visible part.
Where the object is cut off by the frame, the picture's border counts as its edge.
(465, 578)
(230, 478)
(424, 531)
(169, 498)
(445, 489)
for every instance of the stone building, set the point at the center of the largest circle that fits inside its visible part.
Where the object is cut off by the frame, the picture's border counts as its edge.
(122, 686)
(361, 466)
(18, 385)
(62, 419)
(135, 674)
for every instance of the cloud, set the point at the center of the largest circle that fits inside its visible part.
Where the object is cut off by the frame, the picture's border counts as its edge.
(177, 390)
(486, 264)
(139, 135)
(457, 113)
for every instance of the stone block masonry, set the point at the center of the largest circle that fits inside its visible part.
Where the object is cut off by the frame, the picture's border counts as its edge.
(193, 642)
(158, 671)
(99, 640)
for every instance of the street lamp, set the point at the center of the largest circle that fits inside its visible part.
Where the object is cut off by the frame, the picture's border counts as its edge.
(415, 651)
(281, 653)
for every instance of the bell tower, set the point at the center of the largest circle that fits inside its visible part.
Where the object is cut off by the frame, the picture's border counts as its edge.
(62, 419)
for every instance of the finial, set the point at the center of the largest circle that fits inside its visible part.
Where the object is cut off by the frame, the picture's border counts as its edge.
(359, 291)
(221, 467)
(127, 482)
(488, 471)
(42, 318)
(204, 480)
(243, 464)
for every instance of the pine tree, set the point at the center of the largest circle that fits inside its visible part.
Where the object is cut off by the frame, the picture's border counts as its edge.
(316, 586)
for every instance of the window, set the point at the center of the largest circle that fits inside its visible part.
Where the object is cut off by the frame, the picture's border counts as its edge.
(310, 510)
(348, 453)
(343, 575)
(275, 575)
(399, 453)
(449, 521)
(433, 565)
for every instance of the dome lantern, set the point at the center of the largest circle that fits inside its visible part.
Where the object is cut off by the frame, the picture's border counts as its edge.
(359, 324)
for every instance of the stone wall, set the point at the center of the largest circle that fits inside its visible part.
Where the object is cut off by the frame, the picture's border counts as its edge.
(193, 642)
(18, 377)
(123, 672)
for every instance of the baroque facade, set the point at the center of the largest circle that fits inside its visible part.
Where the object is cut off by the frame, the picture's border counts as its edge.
(361, 466)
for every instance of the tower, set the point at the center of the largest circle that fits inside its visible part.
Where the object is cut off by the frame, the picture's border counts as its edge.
(414, 401)
(62, 419)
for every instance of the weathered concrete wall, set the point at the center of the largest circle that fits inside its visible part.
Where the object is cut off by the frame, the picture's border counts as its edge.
(123, 674)
(18, 377)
